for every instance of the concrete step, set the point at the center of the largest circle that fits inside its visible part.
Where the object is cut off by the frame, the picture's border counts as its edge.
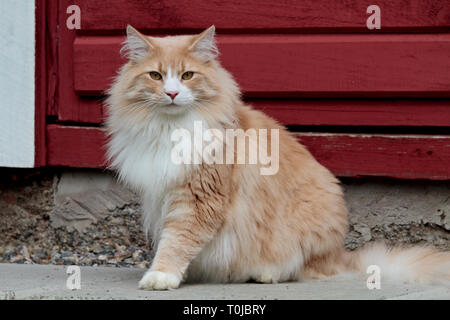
(49, 282)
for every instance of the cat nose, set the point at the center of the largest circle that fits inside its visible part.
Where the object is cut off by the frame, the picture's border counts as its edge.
(172, 94)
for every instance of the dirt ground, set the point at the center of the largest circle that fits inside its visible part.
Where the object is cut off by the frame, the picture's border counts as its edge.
(28, 236)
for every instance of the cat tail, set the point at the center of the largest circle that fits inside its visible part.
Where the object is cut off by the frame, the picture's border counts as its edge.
(419, 264)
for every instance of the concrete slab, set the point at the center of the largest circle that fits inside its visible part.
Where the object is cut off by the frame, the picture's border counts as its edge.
(401, 212)
(19, 281)
(84, 197)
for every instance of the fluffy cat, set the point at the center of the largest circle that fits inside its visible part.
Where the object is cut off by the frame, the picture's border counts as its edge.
(227, 222)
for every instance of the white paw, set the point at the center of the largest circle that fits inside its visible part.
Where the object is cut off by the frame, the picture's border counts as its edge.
(157, 280)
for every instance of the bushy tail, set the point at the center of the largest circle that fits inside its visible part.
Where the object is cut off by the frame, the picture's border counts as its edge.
(419, 264)
(406, 264)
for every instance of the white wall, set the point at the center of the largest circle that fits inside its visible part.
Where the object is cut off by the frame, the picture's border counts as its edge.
(17, 49)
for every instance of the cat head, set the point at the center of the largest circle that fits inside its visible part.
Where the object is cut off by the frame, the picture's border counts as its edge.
(174, 74)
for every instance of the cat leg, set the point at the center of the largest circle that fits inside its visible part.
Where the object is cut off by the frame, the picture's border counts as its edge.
(181, 241)
(192, 220)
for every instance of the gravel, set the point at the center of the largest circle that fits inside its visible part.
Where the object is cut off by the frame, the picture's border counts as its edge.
(116, 239)
(27, 236)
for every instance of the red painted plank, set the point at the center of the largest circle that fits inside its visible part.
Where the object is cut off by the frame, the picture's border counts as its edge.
(51, 47)
(69, 108)
(262, 15)
(330, 112)
(40, 93)
(399, 156)
(78, 147)
(358, 112)
(45, 73)
(303, 65)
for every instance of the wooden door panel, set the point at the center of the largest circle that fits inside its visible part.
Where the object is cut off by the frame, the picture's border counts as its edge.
(400, 156)
(299, 65)
(261, 16)
(305, 63)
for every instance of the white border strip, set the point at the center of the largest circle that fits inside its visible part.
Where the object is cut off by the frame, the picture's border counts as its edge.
(17, 87)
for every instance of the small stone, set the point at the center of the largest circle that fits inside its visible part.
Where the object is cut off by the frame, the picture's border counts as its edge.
(40, 253)
(55, 255)
(27, 234)
(70, 260)
(110, 206)
(142, 265)
(102, 257)
(122, 264)
(25, 252)
(137, 254)
(65, 254)
(117, 220)
(17, 259)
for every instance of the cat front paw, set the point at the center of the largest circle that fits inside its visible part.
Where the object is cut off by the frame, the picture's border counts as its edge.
(157, 280)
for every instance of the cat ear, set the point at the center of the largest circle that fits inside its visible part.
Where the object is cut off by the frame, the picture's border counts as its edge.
(204, 45)
(136, 46)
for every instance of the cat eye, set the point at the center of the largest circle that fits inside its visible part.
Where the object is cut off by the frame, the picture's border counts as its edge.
(155, 75)
(187, 75)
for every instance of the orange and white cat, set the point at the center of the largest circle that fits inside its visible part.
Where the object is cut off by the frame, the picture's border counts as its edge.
(228, 222)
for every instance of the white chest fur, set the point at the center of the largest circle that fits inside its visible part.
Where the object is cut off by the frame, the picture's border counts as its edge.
(142, 155)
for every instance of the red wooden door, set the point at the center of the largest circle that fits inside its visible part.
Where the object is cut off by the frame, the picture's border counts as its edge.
(365, 102)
